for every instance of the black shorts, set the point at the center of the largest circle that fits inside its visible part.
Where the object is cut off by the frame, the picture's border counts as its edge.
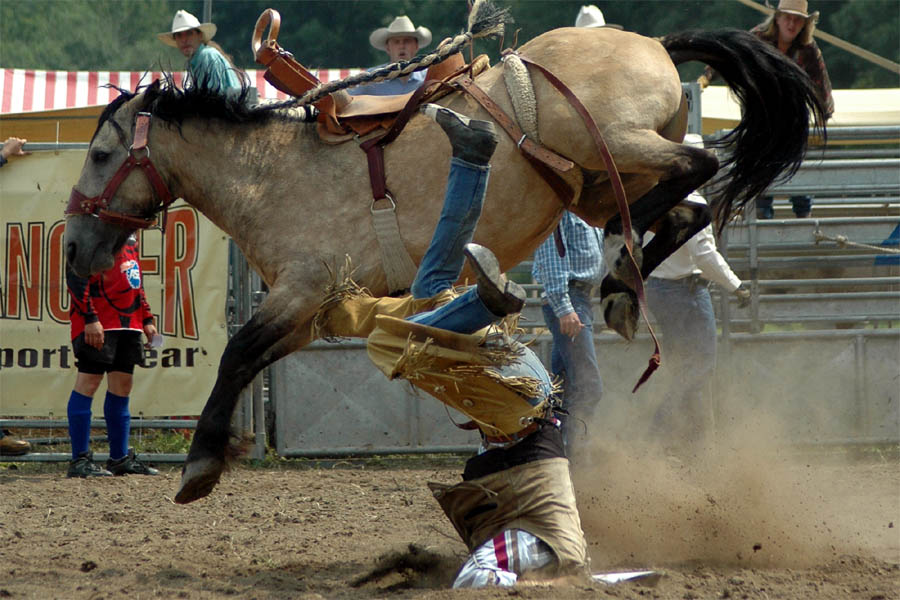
(121, 351)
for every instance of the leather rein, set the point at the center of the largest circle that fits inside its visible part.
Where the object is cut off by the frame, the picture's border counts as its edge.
(138, 158)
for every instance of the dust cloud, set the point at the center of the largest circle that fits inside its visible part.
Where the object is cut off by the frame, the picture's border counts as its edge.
(743, 498)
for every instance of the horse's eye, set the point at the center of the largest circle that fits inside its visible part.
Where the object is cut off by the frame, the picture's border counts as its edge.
(99, 156)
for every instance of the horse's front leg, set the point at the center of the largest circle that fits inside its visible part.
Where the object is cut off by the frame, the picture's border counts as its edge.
(279, 328)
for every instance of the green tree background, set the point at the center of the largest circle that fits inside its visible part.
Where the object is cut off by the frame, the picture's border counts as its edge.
(120, 34)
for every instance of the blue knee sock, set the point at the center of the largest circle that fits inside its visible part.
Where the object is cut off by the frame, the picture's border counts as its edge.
(118, 424)
(79, 413)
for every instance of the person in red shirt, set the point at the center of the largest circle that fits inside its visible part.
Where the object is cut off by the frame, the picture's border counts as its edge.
(108, 314)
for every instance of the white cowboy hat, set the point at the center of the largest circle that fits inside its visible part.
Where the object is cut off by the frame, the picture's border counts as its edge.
(591, 16)
(794, 7)
(402, 26)
(185, 21)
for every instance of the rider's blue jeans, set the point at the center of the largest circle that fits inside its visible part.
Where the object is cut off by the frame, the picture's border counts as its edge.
(443, 261)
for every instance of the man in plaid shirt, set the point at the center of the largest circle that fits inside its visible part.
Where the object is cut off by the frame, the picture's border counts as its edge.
(568, 282)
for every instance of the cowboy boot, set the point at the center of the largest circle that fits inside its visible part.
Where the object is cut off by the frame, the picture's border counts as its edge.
(499, 295)
(473, 141)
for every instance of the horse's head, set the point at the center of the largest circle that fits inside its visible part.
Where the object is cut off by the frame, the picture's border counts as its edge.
(118, 190)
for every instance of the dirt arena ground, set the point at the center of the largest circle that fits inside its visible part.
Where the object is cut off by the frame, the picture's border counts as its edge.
(731, 525)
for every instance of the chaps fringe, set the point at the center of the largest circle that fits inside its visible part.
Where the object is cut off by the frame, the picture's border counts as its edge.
(341, 288)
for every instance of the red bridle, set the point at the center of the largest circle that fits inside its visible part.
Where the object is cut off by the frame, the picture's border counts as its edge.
(98, 206)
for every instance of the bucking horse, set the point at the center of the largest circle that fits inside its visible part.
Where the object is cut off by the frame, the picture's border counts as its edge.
(294, 204)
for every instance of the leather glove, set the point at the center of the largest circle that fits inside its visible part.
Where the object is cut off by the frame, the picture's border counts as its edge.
(703, 80)
(743, 296)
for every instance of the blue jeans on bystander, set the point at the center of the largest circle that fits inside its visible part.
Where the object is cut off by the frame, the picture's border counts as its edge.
(575, 360)
(684, 313)
(801, 205)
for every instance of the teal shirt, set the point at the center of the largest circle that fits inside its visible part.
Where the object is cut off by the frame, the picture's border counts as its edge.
(209, 68)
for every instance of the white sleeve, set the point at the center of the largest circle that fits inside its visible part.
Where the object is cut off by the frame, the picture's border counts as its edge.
(712, 264)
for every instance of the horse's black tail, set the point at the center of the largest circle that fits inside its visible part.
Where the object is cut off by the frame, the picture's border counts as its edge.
(777, 98)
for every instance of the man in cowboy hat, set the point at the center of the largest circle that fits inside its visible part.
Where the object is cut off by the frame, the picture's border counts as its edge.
(590, 17)
(208, 65)
(402, 41)
(790, 29)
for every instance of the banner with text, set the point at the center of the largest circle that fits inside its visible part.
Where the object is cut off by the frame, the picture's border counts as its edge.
(185, 277)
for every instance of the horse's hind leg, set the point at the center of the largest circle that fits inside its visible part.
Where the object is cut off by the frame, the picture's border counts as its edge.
(619, 302)
(674, 229)
(274, 332)
(680, 169)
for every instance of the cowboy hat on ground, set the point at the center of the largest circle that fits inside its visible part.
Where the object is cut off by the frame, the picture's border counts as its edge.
(591, 16)
(185, 21)
(402, 26)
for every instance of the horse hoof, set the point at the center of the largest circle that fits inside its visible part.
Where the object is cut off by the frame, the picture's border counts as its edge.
(617, 260)
(198, 479)
(620, 313)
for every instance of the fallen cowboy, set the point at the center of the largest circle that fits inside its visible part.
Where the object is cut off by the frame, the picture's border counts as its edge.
(515, 508)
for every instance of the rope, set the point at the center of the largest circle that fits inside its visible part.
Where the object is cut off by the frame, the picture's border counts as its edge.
(485, 21)
(844, 242)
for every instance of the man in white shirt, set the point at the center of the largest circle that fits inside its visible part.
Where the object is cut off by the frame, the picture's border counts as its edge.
(678, 295)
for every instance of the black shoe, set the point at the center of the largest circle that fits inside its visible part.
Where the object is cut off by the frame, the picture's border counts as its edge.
(501, 296)
(10, 446)
(472, 140)
(130, 465)
(84, 466)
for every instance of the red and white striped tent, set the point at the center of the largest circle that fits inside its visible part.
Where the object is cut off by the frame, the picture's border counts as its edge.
(28, 90)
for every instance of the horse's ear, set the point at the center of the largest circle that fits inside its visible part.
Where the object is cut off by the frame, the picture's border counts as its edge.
(155, 86)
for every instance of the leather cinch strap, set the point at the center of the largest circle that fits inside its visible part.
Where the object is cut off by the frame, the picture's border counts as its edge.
(540, 158)
(374, 148)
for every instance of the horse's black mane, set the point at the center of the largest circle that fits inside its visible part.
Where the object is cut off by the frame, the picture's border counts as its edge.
(165, 100)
